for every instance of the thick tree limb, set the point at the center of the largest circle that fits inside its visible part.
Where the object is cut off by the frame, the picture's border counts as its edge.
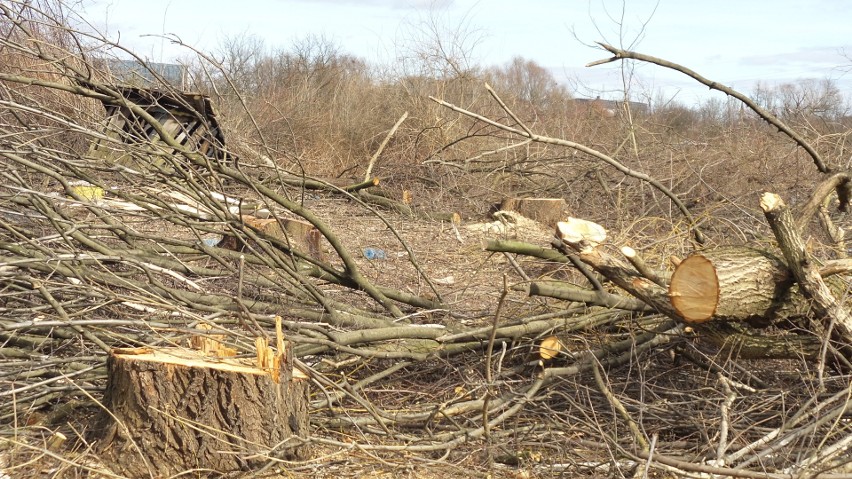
(841, 182)
(837, 319)
(620, 54)
(627, 279)
(553, 289)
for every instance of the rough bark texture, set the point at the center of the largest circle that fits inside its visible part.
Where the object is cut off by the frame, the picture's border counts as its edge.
(836, 317)
(626, 278)
(181, 411)
(597, 298)
(736, 339)
(731, 283)
(547, 211)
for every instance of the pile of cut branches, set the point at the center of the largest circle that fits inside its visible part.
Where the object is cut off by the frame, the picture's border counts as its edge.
(127, 250)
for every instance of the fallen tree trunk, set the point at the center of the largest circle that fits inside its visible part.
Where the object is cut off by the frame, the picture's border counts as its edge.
(734, 268)
(738, 340)
(730, 284)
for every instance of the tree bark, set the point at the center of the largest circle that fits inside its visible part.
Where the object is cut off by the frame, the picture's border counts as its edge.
(730, 284)
(560, 290)
(174, 410)
(836, 319)
(738, 340)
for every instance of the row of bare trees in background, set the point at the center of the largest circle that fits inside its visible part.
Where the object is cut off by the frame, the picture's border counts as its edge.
(315, 108)
(322, 110)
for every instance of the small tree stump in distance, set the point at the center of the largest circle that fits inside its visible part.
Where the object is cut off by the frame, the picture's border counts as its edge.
(300, 234)
(730, 284)
(547, 211)
(173, 410)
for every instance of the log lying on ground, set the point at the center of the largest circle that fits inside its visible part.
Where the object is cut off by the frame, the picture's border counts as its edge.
(172, 410)
(730, 283)
(737, 339)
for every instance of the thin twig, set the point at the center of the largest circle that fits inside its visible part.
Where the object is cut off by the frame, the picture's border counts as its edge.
(383, 145)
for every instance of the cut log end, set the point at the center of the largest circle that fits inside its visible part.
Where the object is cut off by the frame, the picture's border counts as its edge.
(729, 284)
(549, 347)
(694, 289)
(770, 202)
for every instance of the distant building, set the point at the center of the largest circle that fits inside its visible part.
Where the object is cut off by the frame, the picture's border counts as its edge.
(612, 107)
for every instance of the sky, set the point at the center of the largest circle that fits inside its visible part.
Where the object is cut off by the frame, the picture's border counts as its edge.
(737, 43)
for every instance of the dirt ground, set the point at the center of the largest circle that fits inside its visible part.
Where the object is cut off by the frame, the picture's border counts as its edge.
(558, 435)
(468, 278)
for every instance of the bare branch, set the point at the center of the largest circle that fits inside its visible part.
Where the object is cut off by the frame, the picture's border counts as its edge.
(762, 113)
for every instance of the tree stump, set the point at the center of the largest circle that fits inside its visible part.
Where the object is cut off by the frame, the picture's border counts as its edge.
(547, 211)
(173, 410)
(731, 283)
(298, 234)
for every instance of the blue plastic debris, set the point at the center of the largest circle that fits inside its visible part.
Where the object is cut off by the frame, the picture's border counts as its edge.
(374, 253)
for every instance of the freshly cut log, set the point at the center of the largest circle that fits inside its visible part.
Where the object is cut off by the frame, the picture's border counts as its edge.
(729, 283)
(174, 410)
(547, 211)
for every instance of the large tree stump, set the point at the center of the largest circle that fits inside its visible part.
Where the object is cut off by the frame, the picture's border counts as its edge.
(731, 283)
(172, 410)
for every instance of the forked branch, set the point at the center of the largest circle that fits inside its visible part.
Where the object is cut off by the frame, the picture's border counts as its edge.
(619, 54)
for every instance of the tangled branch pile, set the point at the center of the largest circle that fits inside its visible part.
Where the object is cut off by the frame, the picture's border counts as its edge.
(123, 249)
